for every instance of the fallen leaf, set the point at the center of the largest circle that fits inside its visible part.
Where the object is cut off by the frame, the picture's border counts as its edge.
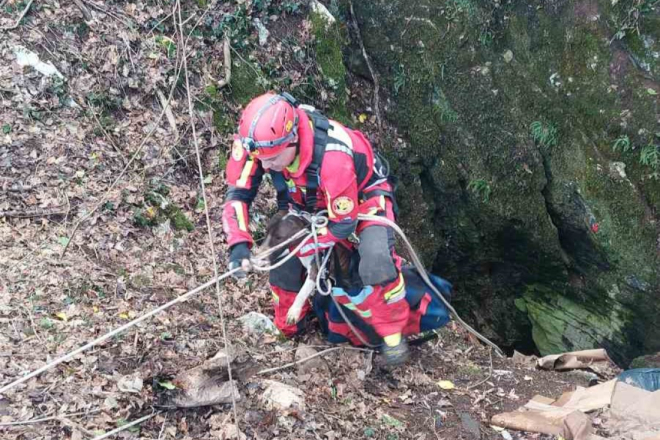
(651, 92)
(362, 118)
(62, 316)
(167, 385)
(446, 385)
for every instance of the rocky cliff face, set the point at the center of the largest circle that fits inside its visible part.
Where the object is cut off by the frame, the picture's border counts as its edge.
(530, 172)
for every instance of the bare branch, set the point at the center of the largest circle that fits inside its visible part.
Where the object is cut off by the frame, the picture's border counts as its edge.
(372, 72)
(85, 12)
(25, 11)
(126, 426)
(48, 419)
(58, 210)
(309, 358)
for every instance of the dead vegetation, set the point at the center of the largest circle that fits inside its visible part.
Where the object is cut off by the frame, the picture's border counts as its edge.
(102, 219)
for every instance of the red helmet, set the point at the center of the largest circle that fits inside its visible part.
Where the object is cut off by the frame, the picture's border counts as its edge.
(268, 124)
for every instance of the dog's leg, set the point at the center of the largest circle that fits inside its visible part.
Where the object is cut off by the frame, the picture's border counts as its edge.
(293, 315)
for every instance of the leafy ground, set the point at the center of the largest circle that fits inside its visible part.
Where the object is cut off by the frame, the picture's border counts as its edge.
(102, 219)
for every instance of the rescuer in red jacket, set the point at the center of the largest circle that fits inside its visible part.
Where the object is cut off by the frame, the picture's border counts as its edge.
(315, 164)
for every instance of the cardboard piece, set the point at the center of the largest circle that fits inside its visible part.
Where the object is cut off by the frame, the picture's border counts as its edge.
(596, 360)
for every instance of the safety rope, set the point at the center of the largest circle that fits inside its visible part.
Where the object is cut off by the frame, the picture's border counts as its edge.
(418, 265)
(182, 298)
(422, 272)
(259, 267)
(191, 113)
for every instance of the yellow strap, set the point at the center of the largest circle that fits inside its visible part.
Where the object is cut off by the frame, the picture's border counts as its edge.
(392, 340)
(396, 290)
(245, 174)
(238, 209)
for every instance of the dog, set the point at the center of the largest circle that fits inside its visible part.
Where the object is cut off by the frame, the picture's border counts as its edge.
(342, 271)
(283, 226)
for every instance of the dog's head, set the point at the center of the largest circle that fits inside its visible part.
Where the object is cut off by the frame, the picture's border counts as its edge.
(282, 227)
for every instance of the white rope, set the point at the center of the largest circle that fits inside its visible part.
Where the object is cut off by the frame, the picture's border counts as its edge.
(116, 331)
(422, 272)
(314, 220)
(125, 427)
(290, 255)
(144, 317)
(206, 214)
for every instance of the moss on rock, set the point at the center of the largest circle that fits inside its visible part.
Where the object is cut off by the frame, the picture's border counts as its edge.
(246, 81)
(467, 80)
(329, 40)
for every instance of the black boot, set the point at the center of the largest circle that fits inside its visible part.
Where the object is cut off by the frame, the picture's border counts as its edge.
(395, 354)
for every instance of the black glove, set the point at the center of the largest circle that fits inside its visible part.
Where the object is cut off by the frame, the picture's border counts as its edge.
(238, 253)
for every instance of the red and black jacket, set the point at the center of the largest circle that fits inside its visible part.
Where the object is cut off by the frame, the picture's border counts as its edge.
(336, 169)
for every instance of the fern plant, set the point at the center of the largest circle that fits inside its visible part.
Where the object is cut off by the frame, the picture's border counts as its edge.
(481, 188)
(622, 142)
(545, 135)
(399, 78)
(650, 156)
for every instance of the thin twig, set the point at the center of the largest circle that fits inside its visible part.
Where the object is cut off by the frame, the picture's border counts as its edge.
(31, 214)
(85, 12)
(130, 162)
(308, 358)
(191, 112)
(168, 112)
(116, 331)
(105, 10)
(256, 72)
(25, 11)
(34, 327)
(48, 419)
(162, 429)
(107, 136)
(372, 72)
(126, 426)
(490, 373)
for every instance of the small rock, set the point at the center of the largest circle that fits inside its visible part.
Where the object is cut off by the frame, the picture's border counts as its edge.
(258, 323)
(263, 32)
(470, 425)
(506, 435)
(130, 384)
(309, 366)
(508, 56)
(282, 396)
(618, 171)
(110, 403)
(320, 9)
